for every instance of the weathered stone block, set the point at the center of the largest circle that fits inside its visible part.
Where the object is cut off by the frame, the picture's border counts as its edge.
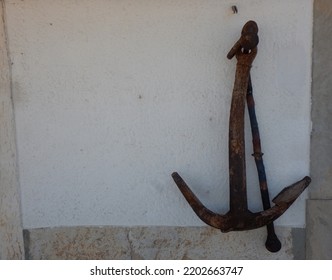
(319, 229)
(155, 243)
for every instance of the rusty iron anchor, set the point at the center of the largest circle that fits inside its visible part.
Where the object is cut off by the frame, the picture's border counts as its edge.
(239, 217)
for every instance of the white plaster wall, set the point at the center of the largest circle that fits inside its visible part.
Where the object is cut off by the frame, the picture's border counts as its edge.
(111, 97)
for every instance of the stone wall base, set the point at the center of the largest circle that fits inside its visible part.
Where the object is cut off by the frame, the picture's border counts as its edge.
(319, 229)
(153, 243)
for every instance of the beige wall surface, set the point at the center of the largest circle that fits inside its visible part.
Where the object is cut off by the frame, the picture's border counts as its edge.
(11, 239)
(319, 207)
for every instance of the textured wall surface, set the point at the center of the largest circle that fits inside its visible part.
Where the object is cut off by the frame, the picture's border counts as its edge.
(319, 208)
(111, 97)
(321, 153)
(319, 229)
(11, 239)
(151, 243)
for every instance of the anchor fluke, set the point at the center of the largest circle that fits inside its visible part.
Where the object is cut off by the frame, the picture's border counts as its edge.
(289, 194)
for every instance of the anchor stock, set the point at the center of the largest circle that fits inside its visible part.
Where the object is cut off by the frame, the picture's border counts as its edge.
(272, 243)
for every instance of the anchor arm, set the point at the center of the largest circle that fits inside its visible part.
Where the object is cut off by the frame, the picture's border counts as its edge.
(247, 220)
(206, 215)
(282, 202)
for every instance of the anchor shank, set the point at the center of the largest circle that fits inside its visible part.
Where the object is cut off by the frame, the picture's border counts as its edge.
(237, 168)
